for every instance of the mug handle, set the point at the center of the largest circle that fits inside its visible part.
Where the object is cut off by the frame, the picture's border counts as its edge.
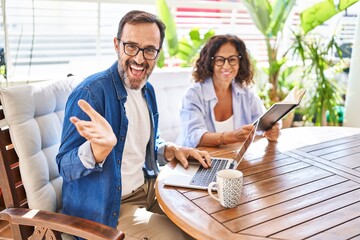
(211, 185)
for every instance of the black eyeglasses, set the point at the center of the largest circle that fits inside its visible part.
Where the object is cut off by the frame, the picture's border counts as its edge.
(132, 49)
(232, 60)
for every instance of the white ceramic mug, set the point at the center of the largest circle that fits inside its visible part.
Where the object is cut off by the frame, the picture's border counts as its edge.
(229, 184)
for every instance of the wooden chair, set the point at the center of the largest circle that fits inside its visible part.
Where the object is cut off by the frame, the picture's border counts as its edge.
(31, 121)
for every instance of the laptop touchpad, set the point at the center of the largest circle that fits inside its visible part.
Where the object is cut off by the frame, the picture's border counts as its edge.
(180, 170)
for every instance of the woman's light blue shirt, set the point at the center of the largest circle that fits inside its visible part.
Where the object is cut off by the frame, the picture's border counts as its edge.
(197, 111)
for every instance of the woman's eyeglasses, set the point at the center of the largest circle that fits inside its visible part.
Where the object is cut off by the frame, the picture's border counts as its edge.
(232, 60)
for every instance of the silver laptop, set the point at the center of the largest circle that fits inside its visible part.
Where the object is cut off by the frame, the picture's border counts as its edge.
(198, 177)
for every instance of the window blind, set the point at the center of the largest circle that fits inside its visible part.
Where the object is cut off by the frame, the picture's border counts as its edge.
(52, 38)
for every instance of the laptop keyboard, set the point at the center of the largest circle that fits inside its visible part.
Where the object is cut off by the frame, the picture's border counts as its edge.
(204, 176)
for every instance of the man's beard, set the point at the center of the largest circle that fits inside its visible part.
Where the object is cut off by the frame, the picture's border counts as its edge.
(131, 82)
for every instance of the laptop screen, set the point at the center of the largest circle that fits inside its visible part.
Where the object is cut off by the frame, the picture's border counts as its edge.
(249, 139)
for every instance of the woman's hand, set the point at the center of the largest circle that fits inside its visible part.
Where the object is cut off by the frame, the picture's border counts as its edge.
(239, 135)
(273, 133)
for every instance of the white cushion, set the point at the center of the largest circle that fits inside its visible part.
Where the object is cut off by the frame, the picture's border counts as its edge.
(34, 114)
(169, 89)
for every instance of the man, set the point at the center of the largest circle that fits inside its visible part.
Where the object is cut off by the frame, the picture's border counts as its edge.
(110, 147)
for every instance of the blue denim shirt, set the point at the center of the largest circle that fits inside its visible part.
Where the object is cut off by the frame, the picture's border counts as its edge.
(197, 111)
(95, 194)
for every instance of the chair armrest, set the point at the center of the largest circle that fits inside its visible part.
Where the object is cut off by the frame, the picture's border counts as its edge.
(60, 223)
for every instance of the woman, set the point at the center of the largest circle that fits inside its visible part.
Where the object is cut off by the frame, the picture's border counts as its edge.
(221, 106)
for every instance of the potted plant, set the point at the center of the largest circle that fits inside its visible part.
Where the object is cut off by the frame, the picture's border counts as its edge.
(319, 65)
(269, 17)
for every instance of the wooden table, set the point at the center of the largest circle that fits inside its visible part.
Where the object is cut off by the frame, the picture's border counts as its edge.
(305, 186)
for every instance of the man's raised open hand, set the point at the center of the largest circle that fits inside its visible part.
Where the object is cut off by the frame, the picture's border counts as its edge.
(97, 131)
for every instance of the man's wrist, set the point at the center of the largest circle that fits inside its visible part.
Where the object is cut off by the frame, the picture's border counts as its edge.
(169, 152)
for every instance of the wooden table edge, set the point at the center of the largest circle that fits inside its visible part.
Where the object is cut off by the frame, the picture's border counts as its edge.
(187, 223)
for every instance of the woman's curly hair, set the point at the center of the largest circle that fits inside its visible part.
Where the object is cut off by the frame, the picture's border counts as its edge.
(204, 67)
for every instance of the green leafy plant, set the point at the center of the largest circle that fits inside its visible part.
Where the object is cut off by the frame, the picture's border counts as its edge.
(322, 11)
(189, 47)
(319, 63)
(270, 17)
(185, 49)
(324, 93)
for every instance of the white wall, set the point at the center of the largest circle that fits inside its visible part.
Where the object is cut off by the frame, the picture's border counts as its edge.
(352, 106)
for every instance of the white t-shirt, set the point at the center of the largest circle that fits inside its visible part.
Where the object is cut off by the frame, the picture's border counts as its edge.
(137, 137)
(225, 126)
